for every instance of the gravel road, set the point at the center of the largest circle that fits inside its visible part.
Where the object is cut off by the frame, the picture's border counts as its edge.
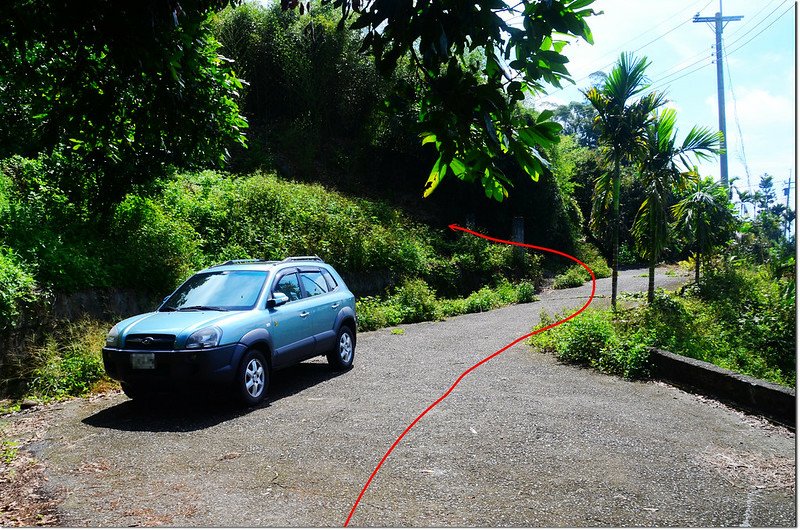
(523, 441)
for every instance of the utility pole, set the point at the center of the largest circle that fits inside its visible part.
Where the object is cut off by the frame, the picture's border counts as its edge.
(719, 24)
(786, 191)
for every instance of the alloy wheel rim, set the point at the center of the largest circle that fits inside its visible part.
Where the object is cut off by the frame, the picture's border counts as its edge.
(345, 348)
(254, 378)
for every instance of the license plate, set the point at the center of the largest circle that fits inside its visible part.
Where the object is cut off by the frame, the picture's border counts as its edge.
(143, 361)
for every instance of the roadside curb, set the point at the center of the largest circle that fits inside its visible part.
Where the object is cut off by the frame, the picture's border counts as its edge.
(748, 393)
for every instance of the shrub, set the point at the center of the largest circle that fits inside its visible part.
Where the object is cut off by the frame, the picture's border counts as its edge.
(17, 289)
(585, 337)
(70, 363)
(374, 313)
(47, 229)
(416, 301)
(592, 257)
(156, 250)
(594, 339)
(482, 300)
(575, 276)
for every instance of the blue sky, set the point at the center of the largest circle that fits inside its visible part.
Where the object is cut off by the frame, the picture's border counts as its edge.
(760, 93)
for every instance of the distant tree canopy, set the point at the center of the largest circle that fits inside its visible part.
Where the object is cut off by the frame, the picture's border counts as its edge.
(113, 91)
(468, 110)
(577, 119)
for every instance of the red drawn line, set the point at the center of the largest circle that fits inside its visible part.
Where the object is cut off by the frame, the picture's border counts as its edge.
(486, 359)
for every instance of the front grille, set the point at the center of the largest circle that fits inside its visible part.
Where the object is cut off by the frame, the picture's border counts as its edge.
(149, 342)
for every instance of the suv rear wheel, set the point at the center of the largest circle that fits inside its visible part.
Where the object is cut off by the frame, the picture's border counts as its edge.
(342, 355)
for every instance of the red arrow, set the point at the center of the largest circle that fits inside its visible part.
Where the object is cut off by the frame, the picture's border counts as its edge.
(482, 361)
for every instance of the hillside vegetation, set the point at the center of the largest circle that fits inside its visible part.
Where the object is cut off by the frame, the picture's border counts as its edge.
(403, 271)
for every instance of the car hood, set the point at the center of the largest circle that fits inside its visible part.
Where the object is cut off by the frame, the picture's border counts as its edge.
(178, 323)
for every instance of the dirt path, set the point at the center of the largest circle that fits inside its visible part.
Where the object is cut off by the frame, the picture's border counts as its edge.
(524, 441)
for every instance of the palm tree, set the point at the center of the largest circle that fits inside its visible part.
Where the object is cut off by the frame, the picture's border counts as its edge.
(664, 169)
(621, 125)
(706, 216)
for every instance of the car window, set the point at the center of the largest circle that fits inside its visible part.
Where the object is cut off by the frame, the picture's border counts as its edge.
(289, 286)
(228, 290)
(313, 282)
(332, 285)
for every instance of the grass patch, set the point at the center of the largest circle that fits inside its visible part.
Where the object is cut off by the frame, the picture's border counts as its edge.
(576, 275)
(70, 363)
(8, 451)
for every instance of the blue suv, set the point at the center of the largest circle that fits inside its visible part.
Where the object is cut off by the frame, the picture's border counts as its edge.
(235, 324)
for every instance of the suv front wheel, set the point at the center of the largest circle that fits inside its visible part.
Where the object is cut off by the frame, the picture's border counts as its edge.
(341, 357)
(253, 378)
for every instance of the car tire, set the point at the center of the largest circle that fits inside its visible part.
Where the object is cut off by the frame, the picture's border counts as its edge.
(252, 379)
(344, 351)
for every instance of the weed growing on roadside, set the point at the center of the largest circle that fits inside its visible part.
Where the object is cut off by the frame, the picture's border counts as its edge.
(594, 339)
(70, 363)
(8, 451)
(741, 319)
(416, 302)
(574, 277)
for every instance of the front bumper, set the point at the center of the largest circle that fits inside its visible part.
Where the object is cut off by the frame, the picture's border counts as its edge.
(174, 367)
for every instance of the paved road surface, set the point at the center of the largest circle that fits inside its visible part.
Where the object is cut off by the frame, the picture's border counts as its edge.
(523, 441)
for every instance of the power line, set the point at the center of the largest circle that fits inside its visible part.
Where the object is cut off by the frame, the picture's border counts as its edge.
(660, 82)
(736, 119)
(666, 79)
(719, 26)
(760, 22)
(620, 47)
(752, 17)
(763, 30)
(703, 56)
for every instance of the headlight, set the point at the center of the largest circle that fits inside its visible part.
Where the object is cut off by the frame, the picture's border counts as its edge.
(204, 338)
(112, 337)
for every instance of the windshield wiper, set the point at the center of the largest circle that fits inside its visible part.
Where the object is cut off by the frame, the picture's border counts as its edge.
(168, 308)
(202, 308)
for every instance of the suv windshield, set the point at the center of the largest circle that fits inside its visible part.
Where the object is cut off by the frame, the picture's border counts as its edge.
(217, 291)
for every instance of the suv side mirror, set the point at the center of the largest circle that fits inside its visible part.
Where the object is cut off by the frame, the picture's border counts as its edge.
(276, 300)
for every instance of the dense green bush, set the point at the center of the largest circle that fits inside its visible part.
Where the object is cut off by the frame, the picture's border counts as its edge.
(575, 276)
(18, 289)
(70, 363)
(47, 229)
(594, 339)
(738, 317)
(414, 301)
(156, 250)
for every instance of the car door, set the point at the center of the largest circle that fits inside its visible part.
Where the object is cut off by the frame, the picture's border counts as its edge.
(292, 330)
(324, 310)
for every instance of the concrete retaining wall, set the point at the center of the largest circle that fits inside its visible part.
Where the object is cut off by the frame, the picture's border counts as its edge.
(768, 399)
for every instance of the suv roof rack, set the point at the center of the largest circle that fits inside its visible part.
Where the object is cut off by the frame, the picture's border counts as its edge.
(303, 258)
(239, 261)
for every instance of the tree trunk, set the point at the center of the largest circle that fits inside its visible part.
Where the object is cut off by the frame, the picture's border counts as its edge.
(697, 267)
(651, 277)
(615, 234)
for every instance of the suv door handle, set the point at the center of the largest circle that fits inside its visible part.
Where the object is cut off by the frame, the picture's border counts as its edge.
(304, 314)
(337, 304)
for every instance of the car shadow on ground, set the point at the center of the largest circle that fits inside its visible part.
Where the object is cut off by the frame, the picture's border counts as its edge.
(200, 409)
